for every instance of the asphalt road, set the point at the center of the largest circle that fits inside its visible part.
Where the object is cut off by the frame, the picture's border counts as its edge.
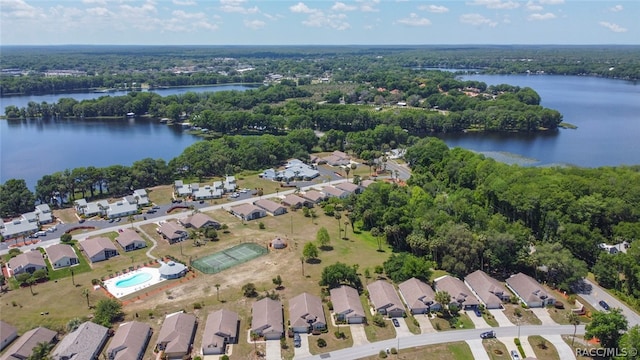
(361, 351)
(593, 293)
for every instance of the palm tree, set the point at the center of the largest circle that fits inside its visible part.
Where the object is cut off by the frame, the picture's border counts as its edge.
(131, 219)
(302, 262)
(347, 170)
(574, 320)
(443, 298)
(73, 324)
(85, 293)
(41, 351)
(217, 291)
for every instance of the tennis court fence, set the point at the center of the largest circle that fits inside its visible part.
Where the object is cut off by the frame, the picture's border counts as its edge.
(222, 260)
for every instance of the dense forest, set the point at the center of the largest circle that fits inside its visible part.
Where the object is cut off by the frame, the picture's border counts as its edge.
(32, 69)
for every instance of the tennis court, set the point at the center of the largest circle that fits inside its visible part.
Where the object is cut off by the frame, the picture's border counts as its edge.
(225, 259)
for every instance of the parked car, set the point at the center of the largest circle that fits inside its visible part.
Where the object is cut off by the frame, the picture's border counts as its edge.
(604, 305)
(156, 207)
(41, 233)
(52, 229)
(395, 322)
(151, 211)
(488, 334)
(514, 355)
(234, 195)
(478, 312)
(112, 220)
(297, 341)
(118, 219)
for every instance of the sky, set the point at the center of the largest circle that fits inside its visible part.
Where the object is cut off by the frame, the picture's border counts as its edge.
(318, 22)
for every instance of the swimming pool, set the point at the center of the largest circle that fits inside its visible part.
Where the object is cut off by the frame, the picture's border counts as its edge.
(134, 280)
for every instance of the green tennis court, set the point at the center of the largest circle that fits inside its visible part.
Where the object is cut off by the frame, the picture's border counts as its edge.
(227, 258)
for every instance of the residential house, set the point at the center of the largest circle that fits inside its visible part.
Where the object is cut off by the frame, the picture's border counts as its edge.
(419, 297)
(181, 189)
(271, 207)
(221, 329)
(200, 221)
(314, 196)
(130, 240)
(27, 262)
(141, 196)
(337, 158)
(8, 333)
(80, 205)
(331, 191)
(529, 291)
(22, 348)
(460, 294)
(89, 209)
(306, 313)
(349, 187)
(267, 320)
(385, 299)
(347, 306)
(295, 201)
(176, 335)
(229, 184)
(120, 209)
(173, 232)
(248, 212)
(84, 343)
(130, 341)
(44, 214)
(366, 183)
(19, 228)
(489, 291)
(207, 192)
(98, 249)
(61, 255)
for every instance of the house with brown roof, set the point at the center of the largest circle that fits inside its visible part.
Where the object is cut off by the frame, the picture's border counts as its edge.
(314, 196)
(271, 207)
(173, 232)
(130, 341)
(200, 221)
(176, 335)
(61, 255)
(529, 291)
(385, 299)
(331, 191)
(306, 313)
(8, 333)
(84, 343)
(22, 348)
(27, 262)
(220, 330)
(130, 240)
(98, 249)
(419, 297)
(461, 295)
(488, 290)
(248, 212)
(337, 158)
(295, 201)
(267, 319)
(366, 183)
(347, 306)
(349, 187)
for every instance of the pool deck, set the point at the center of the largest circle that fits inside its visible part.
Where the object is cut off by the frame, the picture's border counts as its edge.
(119, 292)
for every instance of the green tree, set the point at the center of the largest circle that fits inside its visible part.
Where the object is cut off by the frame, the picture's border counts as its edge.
(66, 238)
(631, 340)
(339, 273)
(249, 290)
(217, 291)
(41, 351)
(107, 312)
(607, 327)
(310, 251)
(375, 232)
(277, 281)
(403, 266)
(443, 298)
(322, 236)
(85, 293)
(15, 198)
(561, 268)
(73, 324)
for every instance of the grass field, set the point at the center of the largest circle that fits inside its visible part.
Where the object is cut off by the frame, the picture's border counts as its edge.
(543, 348)
(449, 351)
(496, 349)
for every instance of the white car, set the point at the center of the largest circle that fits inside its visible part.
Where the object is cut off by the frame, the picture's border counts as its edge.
(52, 229)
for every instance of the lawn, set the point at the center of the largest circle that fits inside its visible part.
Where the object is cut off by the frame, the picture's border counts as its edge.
(413, 325)
(376, 333)
(449, 351)
(460, 321)
(496, 349)
(489, 318)
(520, 316)
(543, 348)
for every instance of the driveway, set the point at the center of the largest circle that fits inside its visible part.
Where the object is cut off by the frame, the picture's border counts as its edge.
(303, 350)
(543, 315)
(403, 329)
(478, 322)
(593, 293)
(358, 334)
(564, 350)
(509, 342)
(426, 326)
(478, 351)
(273, 350)
(500, 317)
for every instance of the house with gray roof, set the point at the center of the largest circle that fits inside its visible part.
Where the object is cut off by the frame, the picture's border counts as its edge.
(176, 335)
(385, 299)
(61, 255)
(141, 197)
(84, 343)
(27, 262)
(331, 191)
(89, 209)
(248, 212)
(220, 330)
(8, 333)
(207, 192)
(43, 212)
(229, 184)
(461, 295)
(98, 249)
(295, 201)
(366, 183)
(347, 306)
(306, 313)
(121, 208)
(337, 158)
(173, 232)
(130, 341)
(267, 319)
(419, 297)
(22, 348)
(271, 207)
(529, 291)
(19, 228)
(181, 189)
(200, 221)
(349, 187)
(130, 240)
(488, 290)
(314, 196)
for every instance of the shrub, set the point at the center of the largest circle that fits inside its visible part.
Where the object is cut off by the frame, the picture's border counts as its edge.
(394, 350)
(197, 306)
(339, 335)
(382, 354)
(437, 327)
(224, 357)
(261, 225)
(519, 346)
(517, 312)
(321, 342)
(378, 320)
(330, 305)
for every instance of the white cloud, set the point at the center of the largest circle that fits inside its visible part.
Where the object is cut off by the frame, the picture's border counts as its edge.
(301, 8)
(340, 6)
(616, 8)
(551, 2)
(368, 5)
(438, 9)
(613, 27)
(477, 19)
(415, 20)
(254, 24)
(183, 15)
(496, 4)
(332, 21)
(538, 16)
(99, 11)
(19, 9)
(97, 2)
(184, 2)
(144, 10)
(236, 6)
(532, 6)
